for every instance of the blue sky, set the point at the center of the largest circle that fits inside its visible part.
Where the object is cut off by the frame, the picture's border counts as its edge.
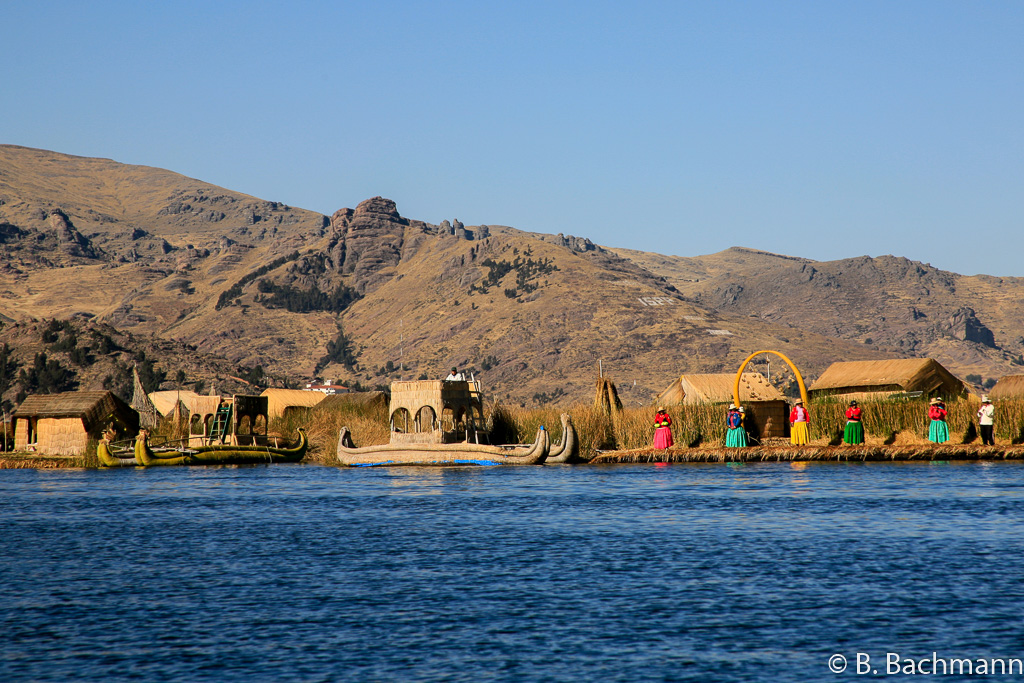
(816, 129)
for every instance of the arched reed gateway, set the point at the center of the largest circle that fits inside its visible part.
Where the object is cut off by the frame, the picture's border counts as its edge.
(743, 366)
(436, 411)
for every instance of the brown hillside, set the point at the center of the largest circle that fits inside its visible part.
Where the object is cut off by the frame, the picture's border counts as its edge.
(257, 283)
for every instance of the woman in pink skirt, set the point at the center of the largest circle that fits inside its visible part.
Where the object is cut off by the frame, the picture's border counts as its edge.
(662, 429)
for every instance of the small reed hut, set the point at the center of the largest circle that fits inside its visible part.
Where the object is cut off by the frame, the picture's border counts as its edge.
(867, 379)
(1011, 386)
(766, 410)
(283, 402)
(63, 424)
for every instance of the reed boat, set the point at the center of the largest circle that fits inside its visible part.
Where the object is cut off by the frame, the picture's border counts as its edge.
(441, 453)
(203, 455)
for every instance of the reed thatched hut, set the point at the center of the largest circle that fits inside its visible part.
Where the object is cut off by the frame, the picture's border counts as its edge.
(63, 424)
(1011, 386)
(166, 401)
(880, 378)
(282, 402)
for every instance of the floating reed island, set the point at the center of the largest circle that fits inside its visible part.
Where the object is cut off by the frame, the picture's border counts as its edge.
(607, 432)
(813, 454)
(895, 430)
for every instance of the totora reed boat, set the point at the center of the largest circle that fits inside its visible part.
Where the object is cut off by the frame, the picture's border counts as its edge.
(441, 423)
(204, 455)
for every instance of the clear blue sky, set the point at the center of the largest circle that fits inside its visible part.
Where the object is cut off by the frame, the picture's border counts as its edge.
(818, 129)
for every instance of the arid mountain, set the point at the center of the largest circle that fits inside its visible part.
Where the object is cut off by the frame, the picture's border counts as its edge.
(971, 324)
(368, 295)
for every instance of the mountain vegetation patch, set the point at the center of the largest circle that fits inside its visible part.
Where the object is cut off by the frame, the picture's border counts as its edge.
(296, 300)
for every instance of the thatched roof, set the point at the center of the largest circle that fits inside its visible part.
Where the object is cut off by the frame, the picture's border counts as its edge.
(352, 398)
(280, 399)
(717, 388)
(201, 405)
(93, 407)
(164, 401)
(1011, 386)
(903, 374)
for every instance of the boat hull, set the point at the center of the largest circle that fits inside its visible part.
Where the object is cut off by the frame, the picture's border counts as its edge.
(220, 455)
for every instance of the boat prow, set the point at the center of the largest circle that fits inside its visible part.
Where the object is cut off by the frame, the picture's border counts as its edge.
(565, 451)
(108, 459)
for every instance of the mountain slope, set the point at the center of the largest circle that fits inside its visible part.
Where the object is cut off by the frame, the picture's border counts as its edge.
(258, 283)
(972, 324)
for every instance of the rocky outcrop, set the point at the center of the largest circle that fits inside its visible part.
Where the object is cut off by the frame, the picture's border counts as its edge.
(457, 229)
(69, 240)
(367, 242)
(965, 326)
(573, 243)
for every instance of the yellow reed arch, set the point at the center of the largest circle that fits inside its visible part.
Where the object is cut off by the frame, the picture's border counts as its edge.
(743, 366)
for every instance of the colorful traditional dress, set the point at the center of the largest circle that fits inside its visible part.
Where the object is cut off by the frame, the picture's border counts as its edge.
(938, 431)
(800, 421)
(854, 432)
(662, 430)
(736, 436)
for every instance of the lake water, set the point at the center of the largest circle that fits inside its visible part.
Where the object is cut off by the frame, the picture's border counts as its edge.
(557, 573)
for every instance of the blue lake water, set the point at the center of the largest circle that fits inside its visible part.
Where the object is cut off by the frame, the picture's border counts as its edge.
(558, 573)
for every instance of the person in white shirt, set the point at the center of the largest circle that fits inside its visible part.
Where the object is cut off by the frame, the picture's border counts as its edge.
(986, 415)
(455, 376)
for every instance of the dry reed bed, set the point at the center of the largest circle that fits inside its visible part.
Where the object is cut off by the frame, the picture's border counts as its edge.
(894, 429)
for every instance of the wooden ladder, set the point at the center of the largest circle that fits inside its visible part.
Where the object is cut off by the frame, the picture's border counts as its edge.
(221, 421)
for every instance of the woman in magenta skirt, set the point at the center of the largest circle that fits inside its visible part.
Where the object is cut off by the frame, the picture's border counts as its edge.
(662, 429)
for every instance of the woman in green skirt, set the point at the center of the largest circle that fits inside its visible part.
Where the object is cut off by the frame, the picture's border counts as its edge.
(854, 432)
(736, 436)
(938, 430)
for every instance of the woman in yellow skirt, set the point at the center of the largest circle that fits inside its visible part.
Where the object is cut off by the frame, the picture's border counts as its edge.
(800, 423)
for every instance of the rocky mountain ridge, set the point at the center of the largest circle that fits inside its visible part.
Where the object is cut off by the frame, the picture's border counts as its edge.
(972, 324)
(368, 295)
